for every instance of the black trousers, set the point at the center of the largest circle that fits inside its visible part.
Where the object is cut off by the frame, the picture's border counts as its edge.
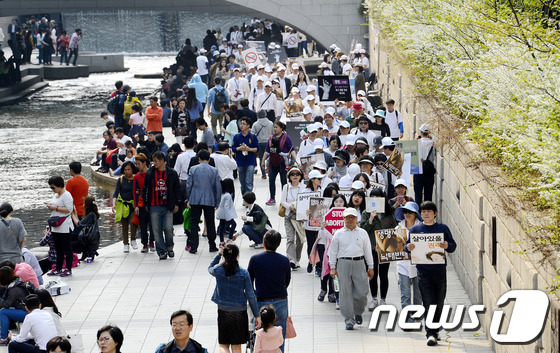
(196, 213)
(63, 246)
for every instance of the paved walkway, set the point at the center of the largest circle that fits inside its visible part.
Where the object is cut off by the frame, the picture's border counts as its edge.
(138, 293)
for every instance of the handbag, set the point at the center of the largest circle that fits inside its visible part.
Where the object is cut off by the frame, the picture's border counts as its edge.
(428, 167)
(56, 221)
(282, 211)
(290, 330)
(181, 131)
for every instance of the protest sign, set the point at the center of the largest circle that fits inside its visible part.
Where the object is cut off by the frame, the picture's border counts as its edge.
(333, 87)
(376, 204)
(381, 187)
(319, 206)
(306, 163)
(334, 219)
(276, 55)
(347, 193)
(302, 204)
(290, 40)
(293, 129)
(411, 146)
(259, 46)
(251, 57)
(395, 162)
(391, 244)
(426, 249)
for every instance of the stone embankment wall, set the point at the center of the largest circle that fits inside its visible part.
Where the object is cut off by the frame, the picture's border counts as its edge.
(494, 252)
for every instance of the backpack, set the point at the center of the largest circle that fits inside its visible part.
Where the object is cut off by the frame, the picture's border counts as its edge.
(28, 286)
(428, 167)
(112, 103)
(219, 99)
(275, 158)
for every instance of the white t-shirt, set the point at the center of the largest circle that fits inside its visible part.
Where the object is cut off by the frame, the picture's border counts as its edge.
(122, 150)
(393, 122)
(137, 119)
(201, 62)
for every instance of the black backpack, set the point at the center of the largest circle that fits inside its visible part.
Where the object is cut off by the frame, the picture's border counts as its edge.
(219, 99)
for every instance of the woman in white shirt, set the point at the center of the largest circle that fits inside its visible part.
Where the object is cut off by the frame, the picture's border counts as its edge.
(294, 245)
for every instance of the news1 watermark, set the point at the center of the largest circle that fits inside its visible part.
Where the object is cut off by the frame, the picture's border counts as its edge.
(526, 322)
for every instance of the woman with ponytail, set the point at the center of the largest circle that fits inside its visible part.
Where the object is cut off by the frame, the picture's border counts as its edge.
(233, 290)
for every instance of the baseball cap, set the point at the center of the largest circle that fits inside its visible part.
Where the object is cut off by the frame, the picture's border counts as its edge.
(260, 78)
(236, 69)
(202, 51)
(310, 88)
(323, 65)
(268, 84)
(350, 211)
(387, 141)
(344, 57)
(307, 110)
(351, 140)
(357, 185)
(312, 128)
(268, 69)
(331, 111)
(400, 182)
(320, 165)
(295, 67)
(345, 124)
(260, 67)
(318, 143)
(361, 93)
(309, 98)
(294, 90)
(424, 128)
(316, 174)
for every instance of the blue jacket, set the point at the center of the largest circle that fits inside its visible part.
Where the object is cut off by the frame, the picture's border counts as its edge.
(200, 87)
(233, 291)
(208, 190)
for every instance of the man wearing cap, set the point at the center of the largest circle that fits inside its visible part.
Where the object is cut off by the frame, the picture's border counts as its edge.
(202, 65)
(388, 148)
(346, 67)
(331, 124)
(214, 109)
(294, 75)
(260, 73)
(267, 101)
(424, 182)
(238, 87)
(357, 110)
(348, 249)
(285, 83)
(258, 89)
(319, 146)
(394, 119)
(263, 130)
(307, 146)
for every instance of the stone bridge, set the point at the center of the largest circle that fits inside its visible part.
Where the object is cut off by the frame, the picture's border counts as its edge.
(326, 21)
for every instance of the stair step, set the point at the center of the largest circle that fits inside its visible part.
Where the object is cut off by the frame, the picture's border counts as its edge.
(14, 98)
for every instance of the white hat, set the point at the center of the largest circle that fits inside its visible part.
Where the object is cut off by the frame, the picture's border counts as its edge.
(320, 165)
(387, 141)
(333, 46)
(350, 211)
(424, 128)
(344, 57)
(316, 174)
(362, 51)
(295, 66)
(281, 67)
(312, 128)
(337, 49)
(268, 69)
(310, 88)
(318, 143)
(240, 46)
(323, 65)
(309, 98)
(331, 111)
(356, 51)
(400, 182)
(260, 67)
(345, 124)
(202, 51)
(307, 110)
(260, 78)
(294, 90)
(358, 185)
(351, 140)
(361, 93)
(236, 69)
(325, 127)
(268, 84)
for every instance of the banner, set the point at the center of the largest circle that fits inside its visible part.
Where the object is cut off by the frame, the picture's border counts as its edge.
(390, 244)
(302, 204)
(376, 204)
(307, 162)
(319, 206)
(426, 249)
(293, 129)
(276, 55)
(395, 162)
(259, 46)
(251, 57)
(381, 187)
(333, 87)
(334, 219)
(412, 147)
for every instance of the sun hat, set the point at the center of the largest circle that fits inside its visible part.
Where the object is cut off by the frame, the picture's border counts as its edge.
(357, 185)
(315, 174)
(409, 206)
(321, 165)
(387, 141)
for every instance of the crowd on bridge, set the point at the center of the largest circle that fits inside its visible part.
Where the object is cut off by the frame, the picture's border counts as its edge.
(225, 116)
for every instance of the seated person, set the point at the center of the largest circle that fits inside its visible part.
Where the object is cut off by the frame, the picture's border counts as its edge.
(182, 324)
(109, 144)
(23, 271)
(149, 144)
(32, 261)
(37, 330)
(256, 221)
(160, 145)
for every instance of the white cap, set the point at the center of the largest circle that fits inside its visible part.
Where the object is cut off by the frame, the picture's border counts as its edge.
(295, 67)
(331, 111)
(202, 51)
(350, 211)
(294, 90)
(281, 67)
(333, 46)
(316, 174)
(240, 46)
(310, 88)
(424, 128)
(307, 110)
(362, 51)
(259, 67)
(345, 124)
(318, 143)
(361, 93)
(268, 69)
(357, 185)
(268, 84)
(323, 65)
(260, 78)
(400, 182)
(344, 57)
(387, 141)
(356, 51)
(312, 128)
(325, 127)
(321, 165)
(351, 140)
(309, 97)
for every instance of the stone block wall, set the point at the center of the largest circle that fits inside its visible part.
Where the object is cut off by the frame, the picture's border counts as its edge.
(493, 253)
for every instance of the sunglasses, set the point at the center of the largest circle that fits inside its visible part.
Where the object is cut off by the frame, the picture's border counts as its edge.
(363, 122)
(295, 174)
(53, 187)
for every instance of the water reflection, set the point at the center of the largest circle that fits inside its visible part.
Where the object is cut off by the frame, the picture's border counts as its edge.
(60, 124)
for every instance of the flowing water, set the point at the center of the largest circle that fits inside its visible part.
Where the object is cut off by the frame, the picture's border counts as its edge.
(58, 125)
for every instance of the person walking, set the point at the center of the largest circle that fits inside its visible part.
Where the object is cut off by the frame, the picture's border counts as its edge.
(245, 146)
(73, 46)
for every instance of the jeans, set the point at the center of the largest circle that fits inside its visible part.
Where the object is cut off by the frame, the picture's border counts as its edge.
(24, 347)
(143, 222)
(162, 222)
(11, 314)
(407, 295)
(63, 54)
(226, 226)
(196, 213)
(73, 52)
(281, 308)
(433, 288)
(272, 173)
(262, 148)
(246, 178)
(253, 235)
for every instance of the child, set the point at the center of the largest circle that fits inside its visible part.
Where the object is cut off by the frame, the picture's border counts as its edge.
(226, 211)
(256, 221)
(129, 157)
(269, 337)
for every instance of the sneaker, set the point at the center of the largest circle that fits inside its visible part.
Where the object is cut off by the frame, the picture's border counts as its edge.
(432, 341)
(332, 298)
(111, 172)
(53, 273)
(126, 248)
(152, 247)
(163, 256)
(171, 254)
(4, 341)
(89, 260)
(293, 266)
(297, 265)
(65, 273)
(309, 267)
(253, 245)
(318, 272)
(382, 301)
(271, 202)
(134, 245)
(372, 304)
(259, 246)
(359, 319)
(222, 244)
(264, 176)
(349, 326)
(192, 251)
(337, 305)
(144, 249)
(322, 295)
(187, 248)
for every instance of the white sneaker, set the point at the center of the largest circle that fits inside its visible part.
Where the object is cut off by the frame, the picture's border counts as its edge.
(432, 341)
(372, 304)
(126, 248)
(337, 305)
(133, 244)
(382, 302)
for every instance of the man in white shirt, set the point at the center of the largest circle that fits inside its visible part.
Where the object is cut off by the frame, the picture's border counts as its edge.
(121, 140)
(394, 119)
(224, 161)
(285, 83)
(306, 146)
(349, 247)
(260, 73)
(255, 92)
(267, 101)
(38, 324)
(238, 87)
(202, 66)
(183, 163)
(424, 182)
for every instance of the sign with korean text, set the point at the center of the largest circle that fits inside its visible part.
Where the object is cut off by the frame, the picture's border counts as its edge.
(302, 204)
(390, 244)
(427, 249)
(318, 207)
(333, 87)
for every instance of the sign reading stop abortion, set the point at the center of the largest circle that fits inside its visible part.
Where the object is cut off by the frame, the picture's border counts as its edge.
(334, 219)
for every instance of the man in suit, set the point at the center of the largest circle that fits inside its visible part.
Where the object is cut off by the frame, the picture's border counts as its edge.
(12, 30)
(204, 198)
